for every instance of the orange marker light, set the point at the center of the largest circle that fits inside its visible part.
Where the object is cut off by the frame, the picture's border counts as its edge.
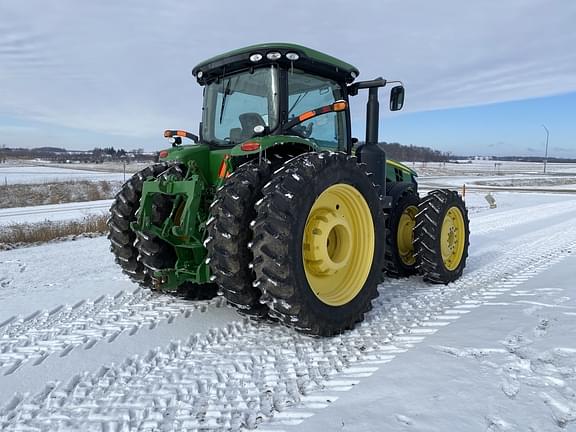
(181, 133)
(339, 105)
(223, 167)
(250, 146)
(167, 133)
(307, 115)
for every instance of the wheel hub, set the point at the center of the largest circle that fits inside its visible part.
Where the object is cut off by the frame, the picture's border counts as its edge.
(338, 244)
(405, 238)
(452, 238)
(328, 242)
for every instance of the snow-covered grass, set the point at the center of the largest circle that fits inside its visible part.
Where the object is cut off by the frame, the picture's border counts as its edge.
(22, 234)
(21, 195)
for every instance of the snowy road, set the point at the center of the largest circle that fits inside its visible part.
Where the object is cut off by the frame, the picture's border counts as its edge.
(53, 212)
(81, 348)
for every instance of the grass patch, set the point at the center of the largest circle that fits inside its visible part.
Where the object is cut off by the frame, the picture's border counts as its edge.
(23, 195)
(15, 235)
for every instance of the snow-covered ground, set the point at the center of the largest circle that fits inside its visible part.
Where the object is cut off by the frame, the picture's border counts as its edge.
(15, 174)
(490, 167)
(53, 212)
(82, 348)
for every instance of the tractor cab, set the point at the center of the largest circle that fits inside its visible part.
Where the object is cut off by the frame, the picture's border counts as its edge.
(277, 90)
(261, 90)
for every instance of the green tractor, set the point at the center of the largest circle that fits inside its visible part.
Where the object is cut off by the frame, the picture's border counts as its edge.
(275, 206)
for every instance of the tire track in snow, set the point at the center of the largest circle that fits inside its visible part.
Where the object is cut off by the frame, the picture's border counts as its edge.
(37, 336)
(487, 223)
(249, 374)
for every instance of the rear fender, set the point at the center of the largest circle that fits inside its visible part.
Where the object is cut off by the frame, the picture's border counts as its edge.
(277, 143)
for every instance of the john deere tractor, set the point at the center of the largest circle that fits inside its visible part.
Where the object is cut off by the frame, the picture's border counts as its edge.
(275, 206)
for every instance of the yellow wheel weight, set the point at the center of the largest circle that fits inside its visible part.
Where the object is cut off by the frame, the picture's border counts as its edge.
(338, 244)
(452, 238)
(405, 235)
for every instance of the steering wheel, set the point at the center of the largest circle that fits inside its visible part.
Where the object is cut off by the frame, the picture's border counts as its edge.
(303, 131)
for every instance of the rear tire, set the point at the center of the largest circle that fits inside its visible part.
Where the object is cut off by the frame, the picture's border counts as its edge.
(400, 260)
(229, 234)
(122, 214)
(318, 253)
(441, 236)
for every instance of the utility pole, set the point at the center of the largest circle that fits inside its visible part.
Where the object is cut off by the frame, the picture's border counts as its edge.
(546, 152)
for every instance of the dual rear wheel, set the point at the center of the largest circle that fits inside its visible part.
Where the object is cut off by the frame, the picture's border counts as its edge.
(314, 254)
(300, 244)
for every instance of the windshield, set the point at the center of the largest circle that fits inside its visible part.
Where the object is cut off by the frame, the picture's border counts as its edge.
(236, 104)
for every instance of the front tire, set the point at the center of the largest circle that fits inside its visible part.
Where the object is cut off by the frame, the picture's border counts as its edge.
(318, 243)
(442, 235)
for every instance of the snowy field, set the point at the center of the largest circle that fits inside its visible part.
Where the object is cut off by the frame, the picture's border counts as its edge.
(15, 174)
(82, 348)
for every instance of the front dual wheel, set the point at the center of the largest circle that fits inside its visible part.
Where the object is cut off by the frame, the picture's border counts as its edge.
(318, 243)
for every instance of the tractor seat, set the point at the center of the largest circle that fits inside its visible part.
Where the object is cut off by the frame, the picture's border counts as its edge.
(248, 121)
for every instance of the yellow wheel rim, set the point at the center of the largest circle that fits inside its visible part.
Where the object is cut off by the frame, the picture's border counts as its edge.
(338, 244)
(452, 238)
(405, 235)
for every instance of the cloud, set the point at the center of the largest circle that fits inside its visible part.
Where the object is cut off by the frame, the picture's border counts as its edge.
(124, 67)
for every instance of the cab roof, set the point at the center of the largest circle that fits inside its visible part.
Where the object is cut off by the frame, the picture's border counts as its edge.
(309, 60)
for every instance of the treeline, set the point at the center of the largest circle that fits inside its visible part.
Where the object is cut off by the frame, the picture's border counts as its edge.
(96, 155)
(411, 153)
(533, 159)
(109, 151)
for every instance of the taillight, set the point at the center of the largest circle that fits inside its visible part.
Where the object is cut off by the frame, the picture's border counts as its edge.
(250, 146)
(163, 154)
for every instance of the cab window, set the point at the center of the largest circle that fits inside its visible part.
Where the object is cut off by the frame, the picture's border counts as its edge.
(307, 92)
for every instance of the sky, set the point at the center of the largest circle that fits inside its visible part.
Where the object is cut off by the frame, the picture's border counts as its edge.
(480, 77)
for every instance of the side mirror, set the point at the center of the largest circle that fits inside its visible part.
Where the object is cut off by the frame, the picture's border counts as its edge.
(396, 98)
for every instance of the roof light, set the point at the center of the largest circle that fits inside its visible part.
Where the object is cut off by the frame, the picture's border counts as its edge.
(250, 146)
(200, 74)
(255, 58)
(274, 55)
(292, 56)
(353, 74)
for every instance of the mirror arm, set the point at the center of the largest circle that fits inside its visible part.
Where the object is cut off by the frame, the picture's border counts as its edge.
(378, 82)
